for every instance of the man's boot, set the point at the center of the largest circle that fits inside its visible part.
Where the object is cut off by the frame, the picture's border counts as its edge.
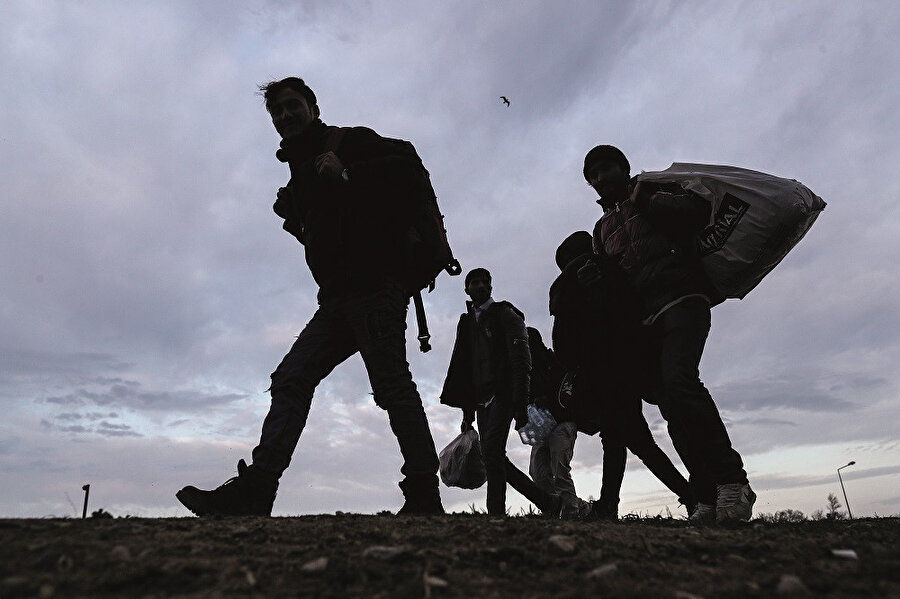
(250, 493)
(421, 499)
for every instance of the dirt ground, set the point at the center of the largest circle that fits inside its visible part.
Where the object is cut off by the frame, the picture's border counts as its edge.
(459, 555)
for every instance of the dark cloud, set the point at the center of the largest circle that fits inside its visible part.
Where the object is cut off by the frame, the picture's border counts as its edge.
(22, 362)
(766, 422)
(133, 398)
(797, 481)
(793, 391)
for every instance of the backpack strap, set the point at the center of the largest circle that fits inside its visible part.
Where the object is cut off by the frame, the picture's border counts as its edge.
(421, 322)
(335, 136)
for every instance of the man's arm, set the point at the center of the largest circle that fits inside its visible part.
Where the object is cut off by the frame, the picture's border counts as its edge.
(669, 204)
(286, 208)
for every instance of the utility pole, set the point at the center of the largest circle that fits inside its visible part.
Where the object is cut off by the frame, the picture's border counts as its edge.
(87, 491)
(847, 503)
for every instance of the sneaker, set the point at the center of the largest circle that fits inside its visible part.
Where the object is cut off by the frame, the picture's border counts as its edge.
(247, 494)
(734, 502)
(703, 513)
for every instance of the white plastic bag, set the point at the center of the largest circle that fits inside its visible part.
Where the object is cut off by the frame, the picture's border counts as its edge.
(756, 219)
(462, 464)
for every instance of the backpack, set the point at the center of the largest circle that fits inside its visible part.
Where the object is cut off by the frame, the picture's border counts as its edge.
(427, 251)
(546, 372)
(756, 219)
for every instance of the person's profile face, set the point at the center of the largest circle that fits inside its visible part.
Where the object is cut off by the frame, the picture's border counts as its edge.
(608, 180)
(291, 113)
(479, 289)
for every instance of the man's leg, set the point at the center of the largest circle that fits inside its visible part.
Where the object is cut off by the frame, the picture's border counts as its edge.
(493, 425)
(614, 456)
(324, 343)
(379, 325)
(696, 425)
(493, 448)
(321, 345)
(539, 468)
(562, 448)
(640, 441)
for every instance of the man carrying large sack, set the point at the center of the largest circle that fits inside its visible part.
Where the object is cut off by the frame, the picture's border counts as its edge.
(649, 231)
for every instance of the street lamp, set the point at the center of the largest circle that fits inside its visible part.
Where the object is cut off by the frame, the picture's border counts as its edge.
(847, 503)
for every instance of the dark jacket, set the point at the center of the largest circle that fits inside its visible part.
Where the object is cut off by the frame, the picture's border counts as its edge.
(355, 231)
(588, 330)
(652, 237)
(598, 338)
(502, 328)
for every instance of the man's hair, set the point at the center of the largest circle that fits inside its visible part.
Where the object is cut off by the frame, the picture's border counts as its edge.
(477, 272)
(604, 153)
(273, 88)
(576, 244)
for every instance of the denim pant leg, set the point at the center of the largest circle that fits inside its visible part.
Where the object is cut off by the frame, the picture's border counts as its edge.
(493, 426)
(378, 322)
(614, 457)
(687, 404)
(494, 430)
(640, 441)
(562, 449)
(539, 466)
(324, 343)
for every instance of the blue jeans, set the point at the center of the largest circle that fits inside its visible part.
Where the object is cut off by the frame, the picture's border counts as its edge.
(374, 325)
(694, 423)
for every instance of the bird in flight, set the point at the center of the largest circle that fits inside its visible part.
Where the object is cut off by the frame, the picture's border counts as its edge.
(505, 100)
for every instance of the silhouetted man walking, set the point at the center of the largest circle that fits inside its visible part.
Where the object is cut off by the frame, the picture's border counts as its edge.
(649, 230)
(349, 203)
(488, 376)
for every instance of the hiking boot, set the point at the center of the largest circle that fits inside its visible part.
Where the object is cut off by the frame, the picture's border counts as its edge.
(421, 497)
(422, 507)
(577, 510)
(703, 513)
(734, 502)
(250, 493)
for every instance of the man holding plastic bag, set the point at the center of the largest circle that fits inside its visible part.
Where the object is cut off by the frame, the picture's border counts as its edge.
(488, 377)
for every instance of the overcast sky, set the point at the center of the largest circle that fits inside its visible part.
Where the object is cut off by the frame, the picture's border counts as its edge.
(147, 290)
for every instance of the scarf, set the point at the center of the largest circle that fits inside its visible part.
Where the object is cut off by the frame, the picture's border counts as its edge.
(305, 146)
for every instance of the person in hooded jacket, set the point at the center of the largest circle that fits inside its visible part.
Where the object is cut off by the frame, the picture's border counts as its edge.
(598, 340)
(650, 232)
(349, 201)
(489, 378)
